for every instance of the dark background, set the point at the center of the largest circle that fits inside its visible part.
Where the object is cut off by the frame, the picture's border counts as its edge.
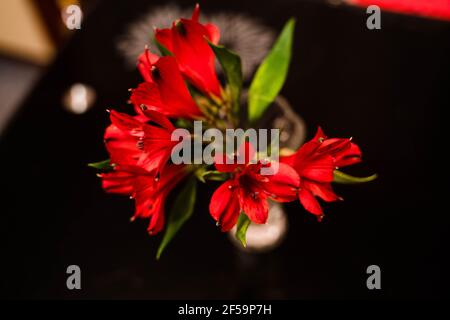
(387, 88)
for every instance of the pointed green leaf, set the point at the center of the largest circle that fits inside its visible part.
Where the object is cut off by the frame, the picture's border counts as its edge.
(212, 175)
(216, 176)
(181, 211)
(271, 74)
(102, 165)
(200, 174)
(232, 68)
(242, 226)
(340, 177)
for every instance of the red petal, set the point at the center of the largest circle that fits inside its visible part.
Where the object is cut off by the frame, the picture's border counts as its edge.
(334, 146)
(196, 13)
(283, 185)
(167, 93)
(150, 195)
(147, 94)
(155, 160)
(116, 139)
(119, 182)
(318, 169)
(254, 205)
(309, 202)
(157, 217)
(121, 142)
(348, 157)
(122, 180)
(126, 122)
(321, 190)
(213, 33)
(131, 142)
(159, 119)
(306, 151)
(164, 37)
(195, 57)
(289, 160)
(220, 200)
(171, 176)
(173, 90)
(145, 62)
(224, 206)
(320, 135)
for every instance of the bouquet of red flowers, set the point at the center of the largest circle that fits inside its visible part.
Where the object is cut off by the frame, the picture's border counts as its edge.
(185, 124)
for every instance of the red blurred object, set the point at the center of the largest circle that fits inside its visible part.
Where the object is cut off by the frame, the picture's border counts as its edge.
(437, 9)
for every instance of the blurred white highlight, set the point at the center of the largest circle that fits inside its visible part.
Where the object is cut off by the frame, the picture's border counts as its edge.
(79, 98)
(265, 237)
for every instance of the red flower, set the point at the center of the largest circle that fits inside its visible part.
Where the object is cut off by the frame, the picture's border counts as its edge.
(149, 193)
(315, 163)
(143, 141)
(187, 41)
(247, 191)
(164, 90)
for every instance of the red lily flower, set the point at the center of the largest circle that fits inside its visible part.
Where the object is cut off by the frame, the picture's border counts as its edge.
(315, 163)
(164, 89)
(143, 141)
(248, 191)
(149, 193)
(187, 41)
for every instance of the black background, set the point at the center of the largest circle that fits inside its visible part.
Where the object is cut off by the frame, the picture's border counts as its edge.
(387, 88)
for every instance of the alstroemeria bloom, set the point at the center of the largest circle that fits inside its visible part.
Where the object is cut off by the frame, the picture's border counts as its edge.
(143, 141)
(164, 89)
(149, 193)
(315, 163)
(187, 41)
(248, 191)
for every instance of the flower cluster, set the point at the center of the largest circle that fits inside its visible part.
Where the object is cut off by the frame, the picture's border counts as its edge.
(181, 86)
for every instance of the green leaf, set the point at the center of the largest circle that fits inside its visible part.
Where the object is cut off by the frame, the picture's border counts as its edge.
(212, 175)
(340, 177)
(102, 165)
(271, 74)
(181, 211)
(242, 226)
(162, 49)
(183, 123)
(232, 68)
